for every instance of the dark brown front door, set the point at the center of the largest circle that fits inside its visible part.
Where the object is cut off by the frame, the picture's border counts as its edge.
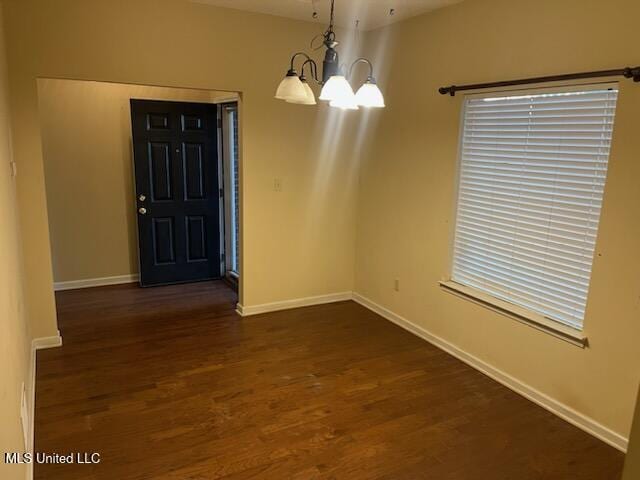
(177, 191)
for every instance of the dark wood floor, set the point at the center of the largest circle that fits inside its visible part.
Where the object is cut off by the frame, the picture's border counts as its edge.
(169, 383)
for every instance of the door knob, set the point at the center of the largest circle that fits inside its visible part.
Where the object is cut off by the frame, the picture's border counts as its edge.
(142, 211)
(142, 197)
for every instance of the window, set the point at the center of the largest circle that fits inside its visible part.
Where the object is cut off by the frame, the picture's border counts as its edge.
(231, 179)
(532, 175)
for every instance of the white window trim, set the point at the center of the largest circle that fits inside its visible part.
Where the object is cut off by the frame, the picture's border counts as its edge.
(521, 314)
(557, 329)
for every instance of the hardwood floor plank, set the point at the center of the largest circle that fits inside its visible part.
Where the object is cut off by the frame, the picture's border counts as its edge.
(170, 383)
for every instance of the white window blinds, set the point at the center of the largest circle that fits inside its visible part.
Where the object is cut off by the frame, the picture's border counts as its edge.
(532, 177)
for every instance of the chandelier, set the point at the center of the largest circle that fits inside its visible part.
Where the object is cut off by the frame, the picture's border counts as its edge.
(336, 89)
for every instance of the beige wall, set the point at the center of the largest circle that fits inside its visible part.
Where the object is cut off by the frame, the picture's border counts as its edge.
(14, 343)
(296, 243)
(632, 461)
(86, 144)
(406, 201)
(301, 241)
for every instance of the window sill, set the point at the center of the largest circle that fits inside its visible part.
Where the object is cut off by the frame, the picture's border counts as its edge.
(520, 314)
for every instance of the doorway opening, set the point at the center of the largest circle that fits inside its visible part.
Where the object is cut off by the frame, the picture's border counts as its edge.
(93, 198)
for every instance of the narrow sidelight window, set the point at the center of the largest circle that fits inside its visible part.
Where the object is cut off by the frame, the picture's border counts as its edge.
(532, 175)
(232, 197)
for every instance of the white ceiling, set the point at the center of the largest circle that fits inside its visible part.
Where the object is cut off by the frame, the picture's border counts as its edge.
(370, 13)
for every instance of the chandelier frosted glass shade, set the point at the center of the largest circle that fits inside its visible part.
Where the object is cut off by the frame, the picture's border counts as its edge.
(345, 103)
(309, 99)
(337, 89)
(369, 95)
(291, 89)
(334, 77)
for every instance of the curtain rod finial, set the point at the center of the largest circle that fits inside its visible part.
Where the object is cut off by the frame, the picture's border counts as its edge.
(450, 90)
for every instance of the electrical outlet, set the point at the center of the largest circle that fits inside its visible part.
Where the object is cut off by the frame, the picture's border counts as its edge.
(24, 416)
(277, 185)
(396, 285)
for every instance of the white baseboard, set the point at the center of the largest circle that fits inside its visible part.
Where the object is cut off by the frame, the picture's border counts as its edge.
(46, 342)
(36, 344)
(563, 411)
(246, 310)
(32, 410)
(95, 282)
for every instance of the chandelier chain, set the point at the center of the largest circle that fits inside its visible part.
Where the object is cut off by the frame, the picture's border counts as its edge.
(329, 35)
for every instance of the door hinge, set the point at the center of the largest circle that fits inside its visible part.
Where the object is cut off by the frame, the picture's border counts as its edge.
(219, 122)
(221, 191)
(222, 257)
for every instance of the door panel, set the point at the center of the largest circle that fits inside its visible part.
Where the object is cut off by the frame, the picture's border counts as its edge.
(158, 121)
(163, 243)
(194, 172)
(177, 191)
(196, 238)
(191, 123)
(160, 169)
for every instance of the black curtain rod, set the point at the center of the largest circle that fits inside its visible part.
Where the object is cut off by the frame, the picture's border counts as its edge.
(627, 72)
